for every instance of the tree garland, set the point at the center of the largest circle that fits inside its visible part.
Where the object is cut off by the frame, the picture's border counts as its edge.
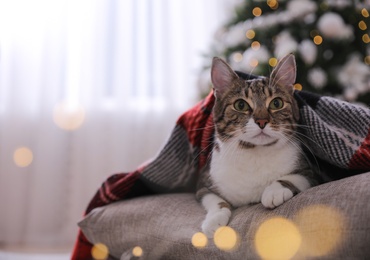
(330, 39)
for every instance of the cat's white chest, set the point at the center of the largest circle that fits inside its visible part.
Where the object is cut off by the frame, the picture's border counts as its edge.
(241, 175)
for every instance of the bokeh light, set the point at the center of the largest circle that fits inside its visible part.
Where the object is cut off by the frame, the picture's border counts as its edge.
(317, 39)
(277, 238)
(367, 60)
(256, 45)
(226, 238)
(237, 57)
(321, 228)
(100, 251)
(199, 240)
(366, 38)
(137, 251)
(298, 86)
(362, 25)
(253, 63)
(365, 13)
(257, 11)
(273, 4)
(23, 157)
(68, 116)
(250, 34)
(273, 62)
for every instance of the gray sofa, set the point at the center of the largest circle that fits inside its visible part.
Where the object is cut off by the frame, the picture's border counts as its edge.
(329, 221)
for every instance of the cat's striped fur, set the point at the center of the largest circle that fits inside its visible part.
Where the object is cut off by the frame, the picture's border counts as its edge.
(256, 156)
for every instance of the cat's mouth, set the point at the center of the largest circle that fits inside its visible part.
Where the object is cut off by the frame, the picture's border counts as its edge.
(262, 135)
(264, 139)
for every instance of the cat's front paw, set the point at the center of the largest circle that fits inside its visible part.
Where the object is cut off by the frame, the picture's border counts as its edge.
(214, 220)
(275, 195)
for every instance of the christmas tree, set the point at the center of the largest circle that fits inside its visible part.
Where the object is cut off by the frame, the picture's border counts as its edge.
(330, 39)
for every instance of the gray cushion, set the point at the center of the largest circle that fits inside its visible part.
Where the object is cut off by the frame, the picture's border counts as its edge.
(330, 221)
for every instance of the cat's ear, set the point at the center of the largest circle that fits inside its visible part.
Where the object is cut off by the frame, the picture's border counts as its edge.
(222, 76)
(284, 74)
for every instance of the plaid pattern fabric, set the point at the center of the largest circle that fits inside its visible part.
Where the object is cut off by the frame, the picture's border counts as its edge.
(337, 132)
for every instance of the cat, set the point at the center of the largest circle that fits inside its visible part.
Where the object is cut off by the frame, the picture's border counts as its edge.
(256, 156)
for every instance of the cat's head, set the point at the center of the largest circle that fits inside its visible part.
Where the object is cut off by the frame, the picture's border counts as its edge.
(258, 112)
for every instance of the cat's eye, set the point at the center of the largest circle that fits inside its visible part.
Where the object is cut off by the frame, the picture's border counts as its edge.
(276, 103)
(241, 105)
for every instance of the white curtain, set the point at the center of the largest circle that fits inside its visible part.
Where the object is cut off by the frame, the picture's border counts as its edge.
(87, 89)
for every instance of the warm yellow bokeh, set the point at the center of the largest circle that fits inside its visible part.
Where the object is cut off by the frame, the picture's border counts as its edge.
(367, 60)
(250, 34)
(362, 25)
(255, 45)
(199, 240)
(137, 251)
(226, 238)
(273, 4)
(366, 38)
(298, 86)
(317, 39)
(273, 62)
(257, 11)
(100, 251)
(277, 238)
(237, 57)
(365, 13)
(68, 116)
(321, 228)
(23, 157)
(253, 63)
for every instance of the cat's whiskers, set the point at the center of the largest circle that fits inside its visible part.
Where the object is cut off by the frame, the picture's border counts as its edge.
(294, 140)
(310, 151)
(291, 131)
(209, 155)
(230, 151)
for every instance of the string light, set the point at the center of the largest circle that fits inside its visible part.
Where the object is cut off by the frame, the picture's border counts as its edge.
(255, 45)
(277, 238)
(23, 157)
(365, 38)
(68, 116)
(100, 251)
(273, 4)
(250, 34)
(273, 62)
(226, 238)
(322, 228)
(137, 251)
(362, 25)
(367, 60)
(237, 57)
(298, 86)
(365, 13)
(317, 39)
(199, 240)
(257, 11)
(253, 63)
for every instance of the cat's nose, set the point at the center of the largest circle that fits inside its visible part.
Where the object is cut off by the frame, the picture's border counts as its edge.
(261, 122)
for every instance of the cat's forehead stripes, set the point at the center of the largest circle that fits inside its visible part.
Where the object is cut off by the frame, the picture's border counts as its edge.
(258, 92)
(258, 86)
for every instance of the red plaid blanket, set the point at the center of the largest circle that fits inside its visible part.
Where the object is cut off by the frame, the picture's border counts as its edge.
(338, 134)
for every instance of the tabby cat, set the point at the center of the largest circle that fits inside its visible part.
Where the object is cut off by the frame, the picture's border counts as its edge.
(257, 156)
